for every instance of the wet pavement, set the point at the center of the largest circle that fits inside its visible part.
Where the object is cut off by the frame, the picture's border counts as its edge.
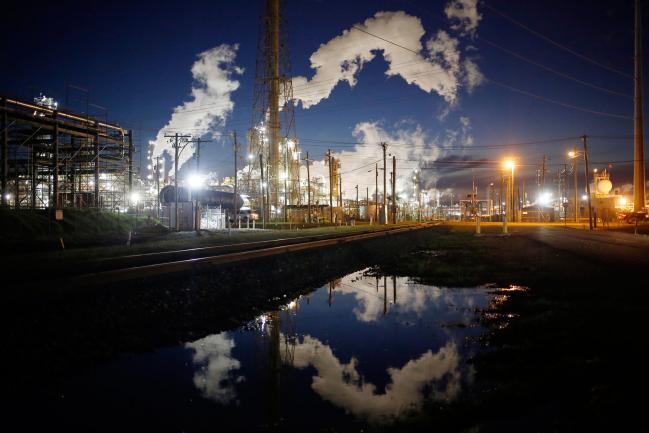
(360, 351)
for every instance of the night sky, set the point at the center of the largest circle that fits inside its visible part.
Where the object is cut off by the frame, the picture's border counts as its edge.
(135, 60)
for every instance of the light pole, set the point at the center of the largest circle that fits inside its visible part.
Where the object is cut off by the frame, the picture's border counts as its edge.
(584, 139)
(574, 155)
(195, 181)
(510, 165)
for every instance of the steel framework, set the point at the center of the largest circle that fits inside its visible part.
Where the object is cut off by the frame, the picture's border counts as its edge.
(58, 159)
(272, 136)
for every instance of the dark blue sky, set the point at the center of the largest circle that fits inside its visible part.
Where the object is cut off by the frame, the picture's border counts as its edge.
(135, 59)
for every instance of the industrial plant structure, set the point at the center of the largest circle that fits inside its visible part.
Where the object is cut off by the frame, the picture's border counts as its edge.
(273, 179)
(54, 158)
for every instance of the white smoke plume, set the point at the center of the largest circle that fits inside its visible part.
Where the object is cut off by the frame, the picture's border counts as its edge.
(412, 146)
(472, 75)
(464, 16)
(210, 104)
(343, 57)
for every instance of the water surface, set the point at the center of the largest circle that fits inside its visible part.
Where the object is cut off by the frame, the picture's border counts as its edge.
(359, 351)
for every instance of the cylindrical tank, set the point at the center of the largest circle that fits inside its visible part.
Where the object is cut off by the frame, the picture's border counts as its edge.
(604, 186)
(205, 196)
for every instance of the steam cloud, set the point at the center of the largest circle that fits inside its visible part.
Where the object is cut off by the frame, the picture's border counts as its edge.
(343, 57)
(437, 69)
(411, 145)
(464, 16)
(210, 104)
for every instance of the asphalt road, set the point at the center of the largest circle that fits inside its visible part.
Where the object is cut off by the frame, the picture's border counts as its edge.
(607, 247)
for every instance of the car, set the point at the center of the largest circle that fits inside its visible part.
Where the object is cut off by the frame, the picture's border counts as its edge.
(633, 217)
(244, 216)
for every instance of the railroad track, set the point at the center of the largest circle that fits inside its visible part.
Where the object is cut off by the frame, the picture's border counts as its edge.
(206, 258)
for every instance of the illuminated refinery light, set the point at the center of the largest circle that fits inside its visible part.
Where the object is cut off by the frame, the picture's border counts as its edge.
(283, 175)
(7, 196)
(135, 197)
(148, 167)
(584, 197)
(251, 156)
(195, 181)
(622, 201)
(545, 198)
(509, 164)
(571, 154)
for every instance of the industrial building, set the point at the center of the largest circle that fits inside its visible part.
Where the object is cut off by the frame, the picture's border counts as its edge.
(54, 158)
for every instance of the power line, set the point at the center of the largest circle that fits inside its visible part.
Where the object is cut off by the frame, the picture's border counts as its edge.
(551, 70)
(523, 92)
(560, 103)
(553, 42)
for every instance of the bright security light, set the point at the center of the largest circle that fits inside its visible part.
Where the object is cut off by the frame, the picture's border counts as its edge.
(584, 197)
(251, 156)
(622, 201)
(509, 164)
(571, 154)
(135, 197)
(545, 198)
(195, 181)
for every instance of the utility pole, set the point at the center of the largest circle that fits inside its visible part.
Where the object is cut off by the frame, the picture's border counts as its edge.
(638, 143)
(574, 175)
(394, 189)
(308, 183)
(507, 203)
(175, 140)
(331, 187)
(197, 154)
(584, 139)
(157, 182)
(357, 213)
(263, 191)
(385, 191)
(376, 194)
(340, 193)
(367, 202)
(236, 157)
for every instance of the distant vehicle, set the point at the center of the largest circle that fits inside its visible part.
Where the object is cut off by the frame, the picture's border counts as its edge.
(632, 217)
(244, 216)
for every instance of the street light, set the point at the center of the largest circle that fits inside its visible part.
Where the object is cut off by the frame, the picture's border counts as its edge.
(510, 164)
(135, 198)
(195, 182)
(574, 154)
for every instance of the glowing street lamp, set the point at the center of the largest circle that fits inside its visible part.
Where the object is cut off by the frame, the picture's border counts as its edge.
(195, 181)
(510, 164)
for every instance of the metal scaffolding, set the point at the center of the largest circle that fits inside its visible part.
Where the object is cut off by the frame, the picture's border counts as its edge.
(57, 159)
(272, 138)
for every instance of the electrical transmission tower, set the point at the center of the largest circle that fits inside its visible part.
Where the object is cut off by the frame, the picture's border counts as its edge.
(272, 136)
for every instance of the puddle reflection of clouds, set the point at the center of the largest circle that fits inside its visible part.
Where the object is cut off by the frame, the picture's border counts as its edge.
(342, 384)
(216, 376)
